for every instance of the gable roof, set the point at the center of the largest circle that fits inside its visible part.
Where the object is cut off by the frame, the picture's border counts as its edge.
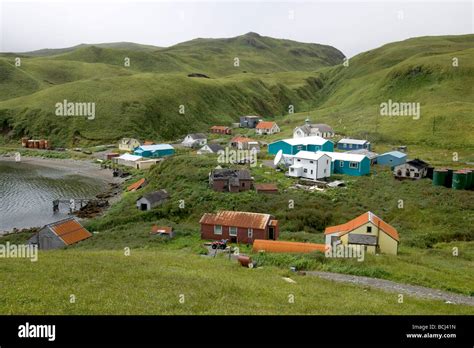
(397, 154)
(156, 196)
(129, 140)
(136, 185)
(241, 139)
(129, 157)
(226, 173)
(344, 156)
(313, 140)
(161, 229)
(359, 221)
(313, 128)
(214, 147)
(309, 155)
(265, 125)
(417, 163)
(236, 219)
(353, 141)
(197, 136)
(155, 147)
(69, 230)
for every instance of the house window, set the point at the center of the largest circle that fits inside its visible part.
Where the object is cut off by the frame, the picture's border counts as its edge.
(369, 229)
(311, 162)
(292, 170)
(217, 229)
(341, 164)
(311, 171)
(305, 170)
(417, 175)
(298, 160)
(350, 146)
(243, 184)
(353, 165)
(250, 233)
(233, 231)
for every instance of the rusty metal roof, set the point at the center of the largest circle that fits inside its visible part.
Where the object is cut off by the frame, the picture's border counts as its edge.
(136, 185)
(69, 230)
(161, 229)
(237, 219)
(359, 221)
(286, 247)
(266, 187)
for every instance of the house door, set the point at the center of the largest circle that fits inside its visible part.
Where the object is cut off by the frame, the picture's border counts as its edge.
(271, 233)
(144, 206)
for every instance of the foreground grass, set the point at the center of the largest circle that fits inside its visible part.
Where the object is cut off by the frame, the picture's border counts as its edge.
(151, 282)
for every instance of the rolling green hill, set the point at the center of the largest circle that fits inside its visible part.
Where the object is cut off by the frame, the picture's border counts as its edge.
(143, 100)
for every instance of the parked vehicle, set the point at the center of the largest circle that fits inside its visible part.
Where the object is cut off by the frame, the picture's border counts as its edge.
(219, 244)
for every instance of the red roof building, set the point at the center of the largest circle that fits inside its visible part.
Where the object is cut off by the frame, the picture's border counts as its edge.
(238, 227)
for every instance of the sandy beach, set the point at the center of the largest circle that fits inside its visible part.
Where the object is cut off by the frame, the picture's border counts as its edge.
(77, 167)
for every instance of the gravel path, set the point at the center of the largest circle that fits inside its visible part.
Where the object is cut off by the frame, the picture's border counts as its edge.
(387, 285)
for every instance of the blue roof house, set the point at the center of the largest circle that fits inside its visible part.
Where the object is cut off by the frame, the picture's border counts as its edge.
(348, 163)
(392, 158)
(293, 145)
(353, 144)
(154, 151)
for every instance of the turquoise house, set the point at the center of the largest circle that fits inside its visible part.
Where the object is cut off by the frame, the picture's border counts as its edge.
(154, 151)
(293, 145)
(392, 158)
(349, 164)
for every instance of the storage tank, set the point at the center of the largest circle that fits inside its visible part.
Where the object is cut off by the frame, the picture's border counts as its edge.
(459, 180)
(470, 178)
(439, 177)
(449, 178)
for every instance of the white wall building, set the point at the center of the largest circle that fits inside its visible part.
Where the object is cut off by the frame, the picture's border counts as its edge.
(310, 165)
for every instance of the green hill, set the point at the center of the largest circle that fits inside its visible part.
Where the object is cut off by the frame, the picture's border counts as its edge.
(143, 100)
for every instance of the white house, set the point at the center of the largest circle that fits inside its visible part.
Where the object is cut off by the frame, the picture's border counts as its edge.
(413, 169)
(267, 127)
(313, 129)
(194, 140)
(310, 165)
(127, 160)
(128, 144)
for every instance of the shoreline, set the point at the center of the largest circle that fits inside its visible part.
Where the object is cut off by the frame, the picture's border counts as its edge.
(73, 167)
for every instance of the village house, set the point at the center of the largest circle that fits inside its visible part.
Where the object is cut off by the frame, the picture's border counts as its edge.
(221, 130)
(59, 234)
(392, 158)
(244, 143)
(348, 163)
(353, 144)
(151, 200)
(238, 227)
(266, 127)
(194, 140)
(249, 121)
(210, 148)
(313, 129)
(413, 169)
(128, 144)
(147, 163)
(162, 231)
(230, 180)
(367, 230)
(372, 156)
(154, 151)
(310, 165)
(292, 146)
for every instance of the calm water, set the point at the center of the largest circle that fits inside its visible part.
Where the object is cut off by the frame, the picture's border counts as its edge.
(27, 193)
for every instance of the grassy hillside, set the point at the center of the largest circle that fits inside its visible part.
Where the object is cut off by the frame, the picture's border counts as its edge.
(150, 91)
(417, 70)
(151, 282)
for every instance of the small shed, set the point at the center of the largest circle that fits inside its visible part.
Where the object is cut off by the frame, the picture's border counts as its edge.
(266, 188)
(59, 234)
(353, 144)
(392, 158)
(163, 231)
(151, 200)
